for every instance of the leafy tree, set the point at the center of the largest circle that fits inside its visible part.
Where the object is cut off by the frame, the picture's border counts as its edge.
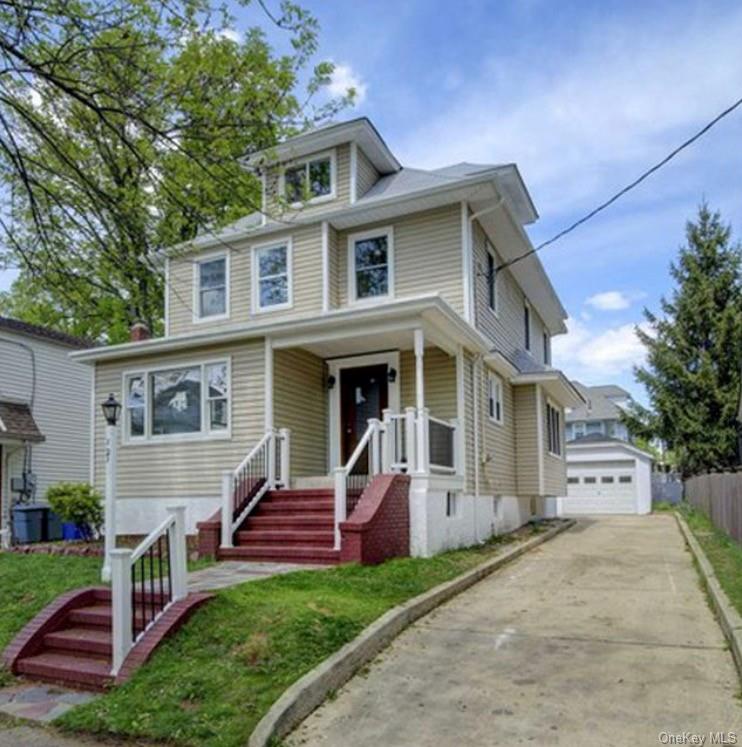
(121, 128)
(694, 352)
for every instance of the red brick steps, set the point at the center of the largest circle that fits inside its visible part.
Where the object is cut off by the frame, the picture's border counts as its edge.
(70, 641)
(288, 525)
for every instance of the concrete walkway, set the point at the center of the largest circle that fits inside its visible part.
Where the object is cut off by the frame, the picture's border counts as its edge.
(233, 572)
(600, 637)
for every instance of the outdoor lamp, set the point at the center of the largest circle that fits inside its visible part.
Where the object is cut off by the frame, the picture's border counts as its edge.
(111, 409)
(391, 375)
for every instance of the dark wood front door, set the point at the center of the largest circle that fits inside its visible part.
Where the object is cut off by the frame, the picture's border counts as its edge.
(364, 393)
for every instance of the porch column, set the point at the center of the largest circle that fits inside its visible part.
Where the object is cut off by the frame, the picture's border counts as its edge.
(268, 405)
(421, 430)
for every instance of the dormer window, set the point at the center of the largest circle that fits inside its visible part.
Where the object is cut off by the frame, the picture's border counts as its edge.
(310, 180)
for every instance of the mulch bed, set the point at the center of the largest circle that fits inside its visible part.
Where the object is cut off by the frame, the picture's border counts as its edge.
(94, 549)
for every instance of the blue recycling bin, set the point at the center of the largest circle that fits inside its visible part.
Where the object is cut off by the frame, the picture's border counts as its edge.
(28, 523)
(53, 527)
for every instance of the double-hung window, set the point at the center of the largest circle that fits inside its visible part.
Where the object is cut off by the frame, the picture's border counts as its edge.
(186, 401)
(212, 294)
(272, 281)
(491, 279)
(554, 429)
(310, 180)
(527, 325)
(371, 265)
(547, 349)
(495, 398)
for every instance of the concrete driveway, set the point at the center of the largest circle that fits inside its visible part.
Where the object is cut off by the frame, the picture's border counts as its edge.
(600, 637)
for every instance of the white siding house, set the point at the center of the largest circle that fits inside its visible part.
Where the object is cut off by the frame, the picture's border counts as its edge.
(40, 384)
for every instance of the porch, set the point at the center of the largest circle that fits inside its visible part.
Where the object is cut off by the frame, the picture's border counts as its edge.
(341, 410)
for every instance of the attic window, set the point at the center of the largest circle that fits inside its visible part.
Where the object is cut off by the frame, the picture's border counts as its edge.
(310, 180)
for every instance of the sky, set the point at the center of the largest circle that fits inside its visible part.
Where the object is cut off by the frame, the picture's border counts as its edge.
(583, 96)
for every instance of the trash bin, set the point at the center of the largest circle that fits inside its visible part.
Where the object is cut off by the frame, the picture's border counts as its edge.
(28, 523)
(53, 527)
(70, 531)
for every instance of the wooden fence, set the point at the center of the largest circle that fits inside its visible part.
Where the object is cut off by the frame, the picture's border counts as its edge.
(719, 496)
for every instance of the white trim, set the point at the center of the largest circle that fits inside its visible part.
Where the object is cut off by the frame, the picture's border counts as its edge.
(492, 377)
(325, 266)
(353, 172)
(305, 161)
(419, 348)
(205, 434)
(388, 232)
(546, 343)
(466, 258)
(93, 409)
(167, 296)
(335, 367)
(268, 384)
(540, 437)
(210, 257)
(461, 407)
(255, 249)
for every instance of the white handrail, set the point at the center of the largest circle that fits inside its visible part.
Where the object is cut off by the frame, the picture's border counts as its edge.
(123, 592)
(276, 472)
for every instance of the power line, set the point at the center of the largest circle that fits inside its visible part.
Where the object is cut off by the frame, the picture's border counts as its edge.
(626, 189)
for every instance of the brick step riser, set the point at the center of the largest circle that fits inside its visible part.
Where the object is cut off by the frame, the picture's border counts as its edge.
(266, 537)
(65, 677)
(287, 554)
(288, 524)
(299, 493)
(57, 642)
(296, 507)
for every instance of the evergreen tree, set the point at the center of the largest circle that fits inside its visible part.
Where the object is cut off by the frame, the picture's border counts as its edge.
(694, 352)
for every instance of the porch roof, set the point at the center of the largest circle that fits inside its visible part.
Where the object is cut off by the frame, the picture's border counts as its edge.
(17, 423)
(442, 324)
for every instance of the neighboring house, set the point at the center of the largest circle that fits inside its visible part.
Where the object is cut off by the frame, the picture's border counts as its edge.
(599, 414)
(362, 290)
(44, 412)
(606, 473)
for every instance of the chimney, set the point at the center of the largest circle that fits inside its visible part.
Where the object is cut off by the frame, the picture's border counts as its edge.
(139, 332)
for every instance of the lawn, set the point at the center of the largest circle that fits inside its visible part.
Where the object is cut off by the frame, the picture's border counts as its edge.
(218, 676)
(30, 582)
(724, 554)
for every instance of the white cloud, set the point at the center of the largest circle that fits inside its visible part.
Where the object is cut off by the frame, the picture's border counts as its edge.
(598, 355)
(590, 120)
(609, 301)
(343, 78)
(231, 34)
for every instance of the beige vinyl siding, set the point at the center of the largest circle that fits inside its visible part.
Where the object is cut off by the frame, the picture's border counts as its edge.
(187, 468)
(439, 382)
(427, 255)
(342, 187)
(306, 269)
(333, 269)
(526, 439)
(555, 468)
(498, 474)
(366, 174)
(505, 328)
(300, 404)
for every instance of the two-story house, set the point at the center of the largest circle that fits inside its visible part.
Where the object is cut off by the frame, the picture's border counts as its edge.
(355, 325)
(600, 414)
(45, 427)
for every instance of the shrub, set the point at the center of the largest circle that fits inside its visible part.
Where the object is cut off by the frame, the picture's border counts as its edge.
(77, 503)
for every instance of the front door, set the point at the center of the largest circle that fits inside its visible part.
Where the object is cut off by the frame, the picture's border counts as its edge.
(364, 393)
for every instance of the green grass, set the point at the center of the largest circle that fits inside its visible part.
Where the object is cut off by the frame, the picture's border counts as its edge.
(724, 554)
(212, 682)
(29, 582)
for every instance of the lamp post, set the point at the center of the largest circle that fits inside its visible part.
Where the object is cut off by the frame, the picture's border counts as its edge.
(111, 409)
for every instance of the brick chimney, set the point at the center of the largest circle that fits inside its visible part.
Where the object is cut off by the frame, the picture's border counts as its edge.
(139, 332)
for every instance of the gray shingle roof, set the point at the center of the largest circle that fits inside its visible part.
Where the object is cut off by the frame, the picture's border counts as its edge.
(599, 406)
(525, 363)
(16, 421)
(43, 333)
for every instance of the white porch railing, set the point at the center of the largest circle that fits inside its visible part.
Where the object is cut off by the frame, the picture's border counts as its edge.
(265, 468)
(146, 581)
(412, 442)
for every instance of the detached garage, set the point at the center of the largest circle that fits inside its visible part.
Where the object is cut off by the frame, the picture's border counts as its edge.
(606, 476)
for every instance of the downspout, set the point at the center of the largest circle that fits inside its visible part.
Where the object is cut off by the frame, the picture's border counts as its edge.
(476, 424)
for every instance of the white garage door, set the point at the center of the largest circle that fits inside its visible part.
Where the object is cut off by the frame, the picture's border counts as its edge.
(600, 488)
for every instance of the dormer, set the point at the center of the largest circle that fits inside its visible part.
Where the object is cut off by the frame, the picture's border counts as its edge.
(327, 168)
